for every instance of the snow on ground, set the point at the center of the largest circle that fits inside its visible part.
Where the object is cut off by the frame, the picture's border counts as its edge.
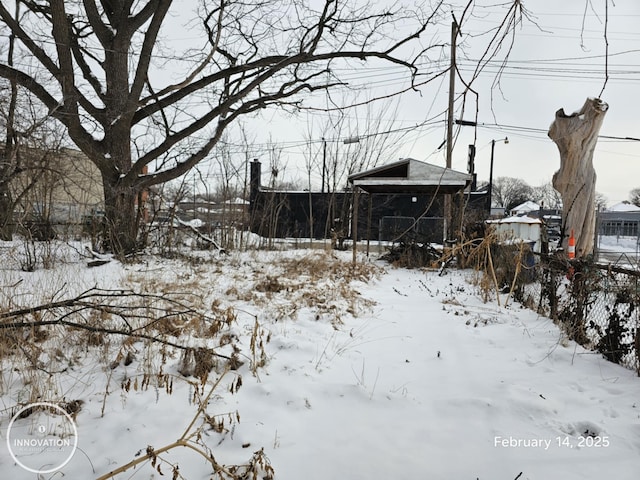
(413, 377)
(613, 243)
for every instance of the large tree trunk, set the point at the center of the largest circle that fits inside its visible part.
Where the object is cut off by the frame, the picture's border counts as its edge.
(120, 193)
(121, 221)
(575, 136)
(6, 213)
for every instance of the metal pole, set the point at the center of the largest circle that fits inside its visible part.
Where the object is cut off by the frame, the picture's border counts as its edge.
(369, 221)
(354, 221)
(452, 86)
(490, 189)
(324, 162)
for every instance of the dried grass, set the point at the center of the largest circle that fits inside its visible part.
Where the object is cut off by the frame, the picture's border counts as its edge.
(319, 281)
(196, 310)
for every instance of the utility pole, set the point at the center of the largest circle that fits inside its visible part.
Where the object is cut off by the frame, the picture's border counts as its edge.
(324, 162)
(452, 87)
(490, 188)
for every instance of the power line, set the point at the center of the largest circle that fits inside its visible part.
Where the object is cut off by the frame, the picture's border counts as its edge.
(521, 128)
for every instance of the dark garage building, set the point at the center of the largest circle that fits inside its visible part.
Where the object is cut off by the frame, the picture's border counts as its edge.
(404, 198)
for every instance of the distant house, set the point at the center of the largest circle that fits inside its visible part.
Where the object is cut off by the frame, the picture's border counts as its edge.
(621, 220)
(215, 214)
(525, 208)
(623, 207)
(65, 192)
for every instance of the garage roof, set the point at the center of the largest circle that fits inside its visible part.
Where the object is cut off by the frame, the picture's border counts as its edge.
(410, 176)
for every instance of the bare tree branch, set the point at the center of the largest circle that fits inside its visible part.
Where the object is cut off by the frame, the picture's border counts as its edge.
(100, 75)
(139, 318)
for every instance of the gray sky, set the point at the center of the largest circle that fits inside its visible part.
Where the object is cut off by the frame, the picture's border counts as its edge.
(556, 64)
(533, 91)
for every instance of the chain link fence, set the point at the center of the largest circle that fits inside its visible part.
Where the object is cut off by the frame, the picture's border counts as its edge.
(597, 305)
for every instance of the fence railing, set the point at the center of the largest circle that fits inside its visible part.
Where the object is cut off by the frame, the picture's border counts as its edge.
(597, 305)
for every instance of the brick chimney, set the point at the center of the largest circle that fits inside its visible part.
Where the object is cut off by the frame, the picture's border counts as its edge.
(254, 181)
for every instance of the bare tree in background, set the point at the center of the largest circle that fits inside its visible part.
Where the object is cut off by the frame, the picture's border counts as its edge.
(353, 141)
(547, 196)
(273, 201)
(601, 202)
(229, 187)
(101, 69)
(509, 192)
(163, 227)
(30, 140)
(634, 196)
(363, 139)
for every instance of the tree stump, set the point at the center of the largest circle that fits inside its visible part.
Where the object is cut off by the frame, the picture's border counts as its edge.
(576, 136)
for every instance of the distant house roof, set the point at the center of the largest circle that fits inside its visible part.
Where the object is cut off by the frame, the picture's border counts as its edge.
(623, 207)
(410, 176)
(620, 215)
(516, 219)
(237, 201)
(526, 207)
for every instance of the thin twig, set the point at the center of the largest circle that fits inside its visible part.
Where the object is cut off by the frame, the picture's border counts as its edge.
(606, 47)
(181, 442)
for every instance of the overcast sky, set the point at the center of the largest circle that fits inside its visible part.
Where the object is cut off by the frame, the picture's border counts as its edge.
(537, 83)
(558, 63)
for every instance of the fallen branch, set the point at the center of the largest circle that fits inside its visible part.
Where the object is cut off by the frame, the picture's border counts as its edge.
(197, 233)
(97, 263)
(95, 293)
(101, 301)
(108, 331)
(257, 467)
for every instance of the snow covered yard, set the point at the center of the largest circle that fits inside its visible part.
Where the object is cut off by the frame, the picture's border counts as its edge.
(367, 372)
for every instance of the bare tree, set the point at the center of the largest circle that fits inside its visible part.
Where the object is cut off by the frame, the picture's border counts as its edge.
(229, 187)
(601, 202)
(273, 201)
(351, 142)
(30, 167)
(509, 192)
(547, 196)
(361, 139)
(29, 142)
(162, 227)
(634, 196)
(99, 70)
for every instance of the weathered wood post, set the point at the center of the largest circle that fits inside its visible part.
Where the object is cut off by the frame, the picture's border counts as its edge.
(354, 221)
(576, 136)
